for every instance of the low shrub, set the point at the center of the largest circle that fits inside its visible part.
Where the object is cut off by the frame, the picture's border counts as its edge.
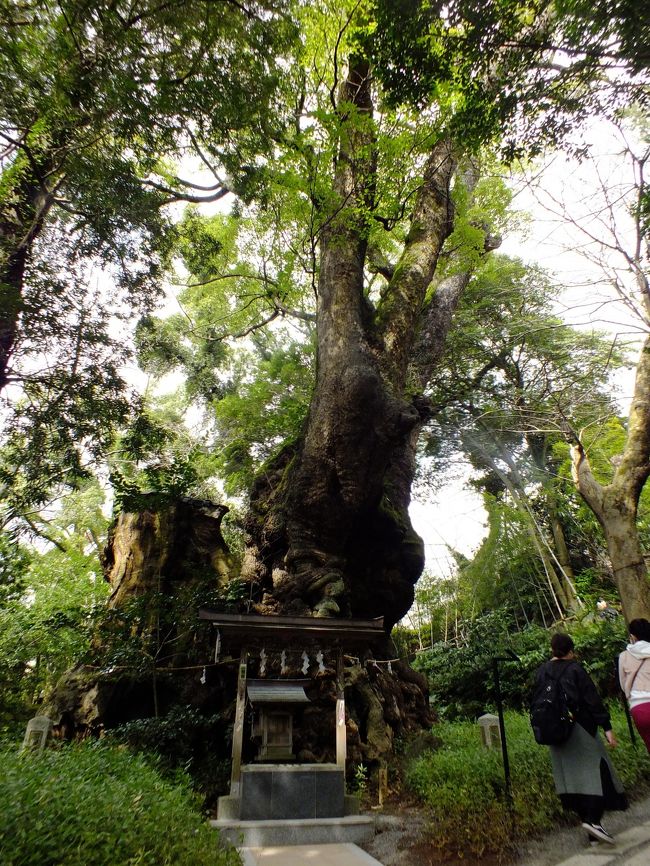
(463, 785)
(91, 805)
(183, 739)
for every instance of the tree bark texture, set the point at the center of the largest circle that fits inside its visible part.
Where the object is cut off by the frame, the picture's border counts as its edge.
(615, 505)
(155, 549)
(149, 649)
(160, 554)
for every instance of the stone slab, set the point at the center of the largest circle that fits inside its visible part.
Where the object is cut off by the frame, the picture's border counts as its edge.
(308, 855)
(641, 858)
(288, 792)
(228, 808)
(632, 837)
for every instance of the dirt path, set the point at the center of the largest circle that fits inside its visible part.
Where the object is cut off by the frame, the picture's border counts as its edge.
(398, 839)
(401, 839)
(556, 847)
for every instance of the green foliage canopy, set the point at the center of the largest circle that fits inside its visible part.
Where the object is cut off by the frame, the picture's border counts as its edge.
(97, 103)
(522, 72)
(49, 605)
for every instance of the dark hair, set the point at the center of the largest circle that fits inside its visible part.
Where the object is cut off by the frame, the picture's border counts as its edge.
(561, 644)
(640, 628)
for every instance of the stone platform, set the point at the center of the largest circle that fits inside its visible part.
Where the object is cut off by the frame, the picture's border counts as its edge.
(302, 831)
(292, 804)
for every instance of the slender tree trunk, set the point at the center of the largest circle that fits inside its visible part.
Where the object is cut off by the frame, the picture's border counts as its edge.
(561, 590)
(33, 180)
(538, 444)
(559, 542)
(11, 281)
(560, 577)
(615, 505)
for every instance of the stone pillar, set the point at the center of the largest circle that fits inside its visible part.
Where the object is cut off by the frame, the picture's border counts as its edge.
(490, 730)
(38, 731)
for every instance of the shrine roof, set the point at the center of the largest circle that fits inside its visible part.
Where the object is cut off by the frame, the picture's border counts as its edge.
(277, 691)
(326, 629)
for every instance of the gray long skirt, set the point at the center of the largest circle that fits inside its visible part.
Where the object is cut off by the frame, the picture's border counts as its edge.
(585, 778)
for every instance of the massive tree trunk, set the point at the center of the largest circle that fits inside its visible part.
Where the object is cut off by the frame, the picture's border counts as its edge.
(162, 563)
(329, 528)
(152, 657)
(616, 504)
(160, 548)
(330, 532)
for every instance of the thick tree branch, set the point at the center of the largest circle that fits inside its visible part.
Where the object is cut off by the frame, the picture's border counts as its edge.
(431, 223)
(378, 263)
(42, 533)
(174, 195)
(437, 317)
(589, 488)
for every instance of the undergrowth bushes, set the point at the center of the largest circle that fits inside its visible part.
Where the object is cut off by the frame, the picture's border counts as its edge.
(183, 739)
(463, 785)
(460, 675)
(90, 805)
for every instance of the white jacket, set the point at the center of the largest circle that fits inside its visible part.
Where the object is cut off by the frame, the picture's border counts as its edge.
(634, 672)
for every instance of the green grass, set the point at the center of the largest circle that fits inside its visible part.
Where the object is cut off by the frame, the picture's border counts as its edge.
(463, 785)
(88, 805)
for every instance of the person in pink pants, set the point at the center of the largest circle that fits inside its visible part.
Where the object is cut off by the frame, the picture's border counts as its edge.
(634, 676)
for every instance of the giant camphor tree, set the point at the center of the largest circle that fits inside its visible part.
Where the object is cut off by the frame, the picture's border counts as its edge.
(364, 223)
(379, 213)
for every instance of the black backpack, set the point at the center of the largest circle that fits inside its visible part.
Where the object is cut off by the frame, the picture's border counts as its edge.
(550, 715)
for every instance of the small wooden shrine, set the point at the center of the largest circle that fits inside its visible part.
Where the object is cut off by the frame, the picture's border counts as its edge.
(275, 784)
(272, 702)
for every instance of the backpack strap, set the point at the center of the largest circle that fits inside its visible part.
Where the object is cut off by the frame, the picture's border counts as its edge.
(564, 669)
(643, 661)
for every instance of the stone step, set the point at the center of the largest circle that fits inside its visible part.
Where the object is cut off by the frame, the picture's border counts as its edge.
(344, 854)
(302, 831)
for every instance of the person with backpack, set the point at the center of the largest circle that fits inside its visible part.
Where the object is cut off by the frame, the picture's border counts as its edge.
(566, 712)
(634, 676)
